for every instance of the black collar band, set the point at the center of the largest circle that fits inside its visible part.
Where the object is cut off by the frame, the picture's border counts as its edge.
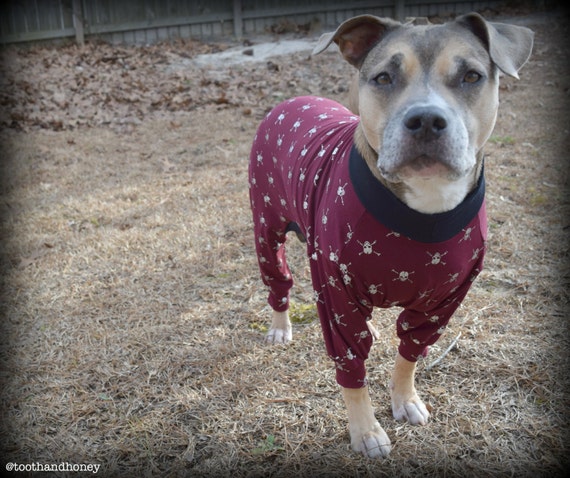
(394, 214)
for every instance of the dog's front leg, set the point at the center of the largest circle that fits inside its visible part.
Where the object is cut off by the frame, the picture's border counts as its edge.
(281, 331)
(406, 405)
(366, 434)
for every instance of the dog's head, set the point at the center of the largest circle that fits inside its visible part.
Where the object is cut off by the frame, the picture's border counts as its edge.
(428, 94)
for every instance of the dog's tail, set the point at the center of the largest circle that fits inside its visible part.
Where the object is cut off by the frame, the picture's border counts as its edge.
(294, 227)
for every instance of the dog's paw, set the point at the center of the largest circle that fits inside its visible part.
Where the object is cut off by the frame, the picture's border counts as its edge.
(281, 331)
(279, 336)
(410, 409)
(372, 444)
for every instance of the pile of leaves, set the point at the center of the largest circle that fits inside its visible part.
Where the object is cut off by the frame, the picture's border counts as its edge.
(102, 84)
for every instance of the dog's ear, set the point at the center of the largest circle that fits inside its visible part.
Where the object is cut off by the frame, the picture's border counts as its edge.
(356, 37)
(509, 46)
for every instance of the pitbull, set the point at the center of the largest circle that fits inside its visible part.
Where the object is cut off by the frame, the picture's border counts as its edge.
(389, 197)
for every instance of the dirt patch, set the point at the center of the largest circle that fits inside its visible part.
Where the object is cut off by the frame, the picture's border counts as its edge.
(132, 334)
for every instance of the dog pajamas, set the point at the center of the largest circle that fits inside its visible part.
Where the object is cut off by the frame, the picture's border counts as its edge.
(366, 248)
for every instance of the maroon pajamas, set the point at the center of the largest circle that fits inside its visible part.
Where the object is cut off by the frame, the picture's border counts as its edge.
(366, 248)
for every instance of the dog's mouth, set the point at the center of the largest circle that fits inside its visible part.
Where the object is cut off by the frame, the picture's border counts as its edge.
(425, 166)
(420, 166)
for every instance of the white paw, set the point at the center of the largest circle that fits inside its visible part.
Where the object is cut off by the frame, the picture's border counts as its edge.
(281, 331)
(411, 410)
(279, 336)
(372, 444)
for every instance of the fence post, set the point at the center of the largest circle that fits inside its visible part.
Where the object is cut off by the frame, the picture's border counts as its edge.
(399, 10)
(238, 23)
(78, 22)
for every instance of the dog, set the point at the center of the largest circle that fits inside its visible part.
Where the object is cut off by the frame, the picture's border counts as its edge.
(388, 195)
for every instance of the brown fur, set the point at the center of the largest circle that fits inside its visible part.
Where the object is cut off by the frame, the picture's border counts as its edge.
(451, 70)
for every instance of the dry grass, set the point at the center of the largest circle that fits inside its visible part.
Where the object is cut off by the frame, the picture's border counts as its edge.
(134, 315)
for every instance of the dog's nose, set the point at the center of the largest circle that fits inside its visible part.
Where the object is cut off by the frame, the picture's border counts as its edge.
(425, 122)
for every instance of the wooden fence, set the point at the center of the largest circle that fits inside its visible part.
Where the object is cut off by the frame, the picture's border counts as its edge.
(149, 21)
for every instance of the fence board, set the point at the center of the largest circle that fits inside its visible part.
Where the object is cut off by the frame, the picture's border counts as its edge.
(147, 21)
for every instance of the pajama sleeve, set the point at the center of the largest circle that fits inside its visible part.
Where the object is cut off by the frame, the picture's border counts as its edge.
(343, 321)
(417, 330)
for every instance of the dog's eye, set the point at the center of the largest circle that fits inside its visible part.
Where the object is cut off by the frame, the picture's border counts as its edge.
(471, 77)
(383, 79)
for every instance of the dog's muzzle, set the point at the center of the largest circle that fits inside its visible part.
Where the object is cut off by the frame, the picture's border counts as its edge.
(427, 141)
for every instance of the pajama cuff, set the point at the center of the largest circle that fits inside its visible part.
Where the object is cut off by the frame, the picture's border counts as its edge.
(412, 352)
(353, 378)
(280, 304)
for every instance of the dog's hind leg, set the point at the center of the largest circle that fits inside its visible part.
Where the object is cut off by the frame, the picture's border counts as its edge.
(275, 273)
(281, 331)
